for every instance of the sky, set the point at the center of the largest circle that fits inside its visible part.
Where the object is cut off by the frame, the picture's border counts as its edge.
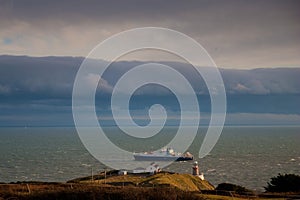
(237, 34)
(254, 43)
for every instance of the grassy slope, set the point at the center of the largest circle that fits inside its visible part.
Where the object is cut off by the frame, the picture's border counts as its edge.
(185, 182)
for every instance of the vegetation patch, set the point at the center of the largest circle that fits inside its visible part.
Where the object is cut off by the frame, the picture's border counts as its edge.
(284, 183)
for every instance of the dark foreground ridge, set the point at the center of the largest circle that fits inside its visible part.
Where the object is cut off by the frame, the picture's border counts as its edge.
(68, 191)
(111, 185)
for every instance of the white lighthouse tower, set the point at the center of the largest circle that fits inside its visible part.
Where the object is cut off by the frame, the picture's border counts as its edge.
(196, 171)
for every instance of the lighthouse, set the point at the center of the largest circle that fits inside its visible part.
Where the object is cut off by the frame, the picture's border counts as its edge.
(196, 171)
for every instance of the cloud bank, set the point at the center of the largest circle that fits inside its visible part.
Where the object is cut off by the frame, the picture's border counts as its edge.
(39, 91)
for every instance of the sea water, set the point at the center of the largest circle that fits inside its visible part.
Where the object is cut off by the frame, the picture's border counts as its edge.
(247, 156)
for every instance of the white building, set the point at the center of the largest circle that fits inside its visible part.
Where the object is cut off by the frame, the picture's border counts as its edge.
(122, 172)
(152, 169)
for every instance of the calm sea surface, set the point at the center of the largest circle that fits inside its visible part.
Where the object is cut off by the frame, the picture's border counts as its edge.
(247, 156)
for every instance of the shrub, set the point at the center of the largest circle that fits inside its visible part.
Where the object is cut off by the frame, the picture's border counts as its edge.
(284, 183)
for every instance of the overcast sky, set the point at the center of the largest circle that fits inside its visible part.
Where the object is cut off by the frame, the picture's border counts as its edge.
(237, 34)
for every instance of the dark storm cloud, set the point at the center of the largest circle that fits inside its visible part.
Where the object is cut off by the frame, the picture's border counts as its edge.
(95, 10)
(224, 17)
(38, 91)
(37, 78)
(50, 77)
(236, 33)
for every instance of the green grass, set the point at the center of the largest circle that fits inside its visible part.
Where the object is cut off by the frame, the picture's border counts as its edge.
(185, 182)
